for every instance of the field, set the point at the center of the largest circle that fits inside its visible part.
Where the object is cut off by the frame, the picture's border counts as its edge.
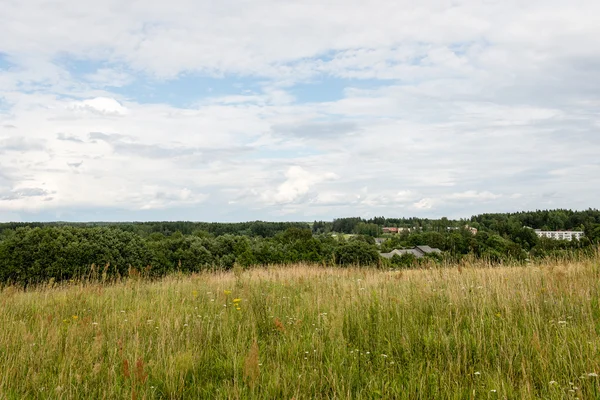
(469, 331)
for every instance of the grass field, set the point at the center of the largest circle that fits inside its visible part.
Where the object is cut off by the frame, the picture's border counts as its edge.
(307, 332)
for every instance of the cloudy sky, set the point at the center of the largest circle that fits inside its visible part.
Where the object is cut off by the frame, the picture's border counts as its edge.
(296, 110)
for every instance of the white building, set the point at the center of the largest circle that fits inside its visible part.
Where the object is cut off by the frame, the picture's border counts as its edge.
(560, 235)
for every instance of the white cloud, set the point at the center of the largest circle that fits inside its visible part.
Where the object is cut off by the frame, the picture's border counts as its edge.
(101, 105)
(353, 108)
(473, 195)
(298, 183)
(424, 204)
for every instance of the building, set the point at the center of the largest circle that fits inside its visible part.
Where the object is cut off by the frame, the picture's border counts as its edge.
(417, 251)
(467, 227)
(393, 229)
(560, 235)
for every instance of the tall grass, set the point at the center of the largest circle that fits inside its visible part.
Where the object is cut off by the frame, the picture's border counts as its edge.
(467, 331)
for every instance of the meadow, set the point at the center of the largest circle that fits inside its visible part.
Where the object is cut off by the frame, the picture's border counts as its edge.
(468, 331)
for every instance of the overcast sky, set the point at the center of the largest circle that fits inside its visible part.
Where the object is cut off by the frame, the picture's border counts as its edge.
(297, 110)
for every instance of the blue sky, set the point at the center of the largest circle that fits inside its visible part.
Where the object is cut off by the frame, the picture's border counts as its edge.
(229, 111)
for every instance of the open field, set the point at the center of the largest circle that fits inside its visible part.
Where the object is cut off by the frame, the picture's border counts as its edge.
(309, 332)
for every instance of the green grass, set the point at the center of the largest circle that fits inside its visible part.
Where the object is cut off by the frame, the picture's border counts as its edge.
(303, 332)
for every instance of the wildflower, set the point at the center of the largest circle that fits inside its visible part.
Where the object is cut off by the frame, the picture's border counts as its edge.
(227, 292)
(562, 322)
(237, 300)
(195, 293)
(498, 315)
(493, 391)
(592, 374)
(75, 317)
(477, 373)
(237, 308)
(384, 355)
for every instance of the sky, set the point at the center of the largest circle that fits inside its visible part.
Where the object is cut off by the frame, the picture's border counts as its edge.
(296, 110)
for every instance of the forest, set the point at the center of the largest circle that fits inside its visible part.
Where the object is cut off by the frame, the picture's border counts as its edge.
(38, 252)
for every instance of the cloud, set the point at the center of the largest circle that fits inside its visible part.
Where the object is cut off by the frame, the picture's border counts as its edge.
(473, 195)
(159, 199)
(20, 143)
(24, 193)
(326, 109)
(298, 183)
(75, 164)
(100, 105)
(317, 130)
(62, 136)
(424, 204)
(107, 77)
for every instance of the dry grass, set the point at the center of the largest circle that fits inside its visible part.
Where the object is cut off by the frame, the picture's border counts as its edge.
(467, 331)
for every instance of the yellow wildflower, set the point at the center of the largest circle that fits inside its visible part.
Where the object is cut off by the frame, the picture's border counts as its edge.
(227, 292)
(75, 317)
(237, 300)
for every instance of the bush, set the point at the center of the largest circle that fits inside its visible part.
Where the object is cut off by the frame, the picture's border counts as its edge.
(404, 261)
(356, 253)
(38, 254)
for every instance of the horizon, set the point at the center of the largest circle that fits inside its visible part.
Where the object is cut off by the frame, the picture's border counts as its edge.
(289, 220)
(296, 111)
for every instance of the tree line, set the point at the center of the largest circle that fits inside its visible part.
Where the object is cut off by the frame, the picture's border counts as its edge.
(36, 252)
